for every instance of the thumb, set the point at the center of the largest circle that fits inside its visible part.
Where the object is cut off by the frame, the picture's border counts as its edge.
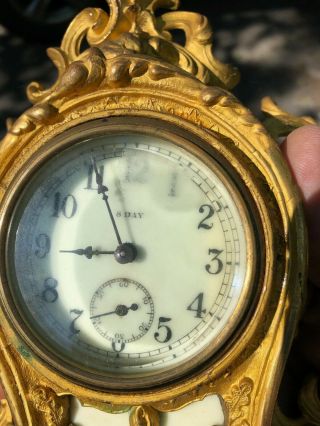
(302, 151)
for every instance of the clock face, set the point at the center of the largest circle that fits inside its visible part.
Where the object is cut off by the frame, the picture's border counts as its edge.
(127, 258)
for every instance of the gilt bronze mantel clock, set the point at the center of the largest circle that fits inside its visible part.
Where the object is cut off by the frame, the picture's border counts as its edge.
(152, 240)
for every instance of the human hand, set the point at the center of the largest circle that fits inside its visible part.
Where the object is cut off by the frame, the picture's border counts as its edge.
(302, 151)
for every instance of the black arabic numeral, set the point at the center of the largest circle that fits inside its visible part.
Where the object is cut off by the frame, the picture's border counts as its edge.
(216, 265)
(118, 346)
(50, 294)
(168, 331)
(91, 177)
(197, 306)
(76, 313)
(66, 205)
(43, 245)
(210, 210)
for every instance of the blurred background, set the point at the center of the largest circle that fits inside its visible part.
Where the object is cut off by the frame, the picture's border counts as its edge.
(274, 43)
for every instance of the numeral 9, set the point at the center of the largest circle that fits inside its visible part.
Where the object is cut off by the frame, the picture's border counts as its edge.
(43, 246)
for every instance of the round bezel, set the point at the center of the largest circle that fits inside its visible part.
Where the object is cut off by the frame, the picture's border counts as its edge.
(205, 152)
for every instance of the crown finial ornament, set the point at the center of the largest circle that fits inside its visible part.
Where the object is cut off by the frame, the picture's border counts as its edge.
(133, 29)
(129, 102)
(129, 42)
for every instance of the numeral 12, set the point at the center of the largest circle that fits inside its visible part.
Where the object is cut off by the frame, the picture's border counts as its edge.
(91, 177)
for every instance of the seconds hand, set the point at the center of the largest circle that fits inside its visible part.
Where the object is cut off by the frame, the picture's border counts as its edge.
(102, 189)
(121, 311)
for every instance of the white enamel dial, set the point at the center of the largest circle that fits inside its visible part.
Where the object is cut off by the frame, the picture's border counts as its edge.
(146, 306)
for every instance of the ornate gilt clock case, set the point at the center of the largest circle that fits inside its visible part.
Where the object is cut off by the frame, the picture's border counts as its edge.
(131, 76)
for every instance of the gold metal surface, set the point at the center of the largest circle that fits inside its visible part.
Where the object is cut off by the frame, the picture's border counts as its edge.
(144, 416)
(5, 413)
(280, 123)
(131, 68)
(252, 283)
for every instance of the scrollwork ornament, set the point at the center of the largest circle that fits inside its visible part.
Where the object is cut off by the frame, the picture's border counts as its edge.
(125, 45)
(132, 28)
(53, 407)
(144, 416)
(5, 414)
(38, 114)
(280, 123)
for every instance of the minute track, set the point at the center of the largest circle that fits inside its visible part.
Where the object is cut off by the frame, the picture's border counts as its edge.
(163, 283)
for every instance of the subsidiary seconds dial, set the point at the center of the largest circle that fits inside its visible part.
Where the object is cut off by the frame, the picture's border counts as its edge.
(122, 311)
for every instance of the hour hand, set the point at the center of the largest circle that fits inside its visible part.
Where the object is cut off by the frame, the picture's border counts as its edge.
(88, 252)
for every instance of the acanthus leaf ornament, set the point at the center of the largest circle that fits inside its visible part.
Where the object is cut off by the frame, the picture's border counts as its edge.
(132, 30)
(238, 401)
(31, 401)
(46, 402)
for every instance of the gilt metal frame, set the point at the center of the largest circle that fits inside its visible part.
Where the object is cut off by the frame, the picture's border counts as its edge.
(133, 68)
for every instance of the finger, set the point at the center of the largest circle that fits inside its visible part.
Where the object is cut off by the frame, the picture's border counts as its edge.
(302, 150)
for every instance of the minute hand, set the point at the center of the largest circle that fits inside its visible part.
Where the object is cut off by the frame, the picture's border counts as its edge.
(102, 189)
